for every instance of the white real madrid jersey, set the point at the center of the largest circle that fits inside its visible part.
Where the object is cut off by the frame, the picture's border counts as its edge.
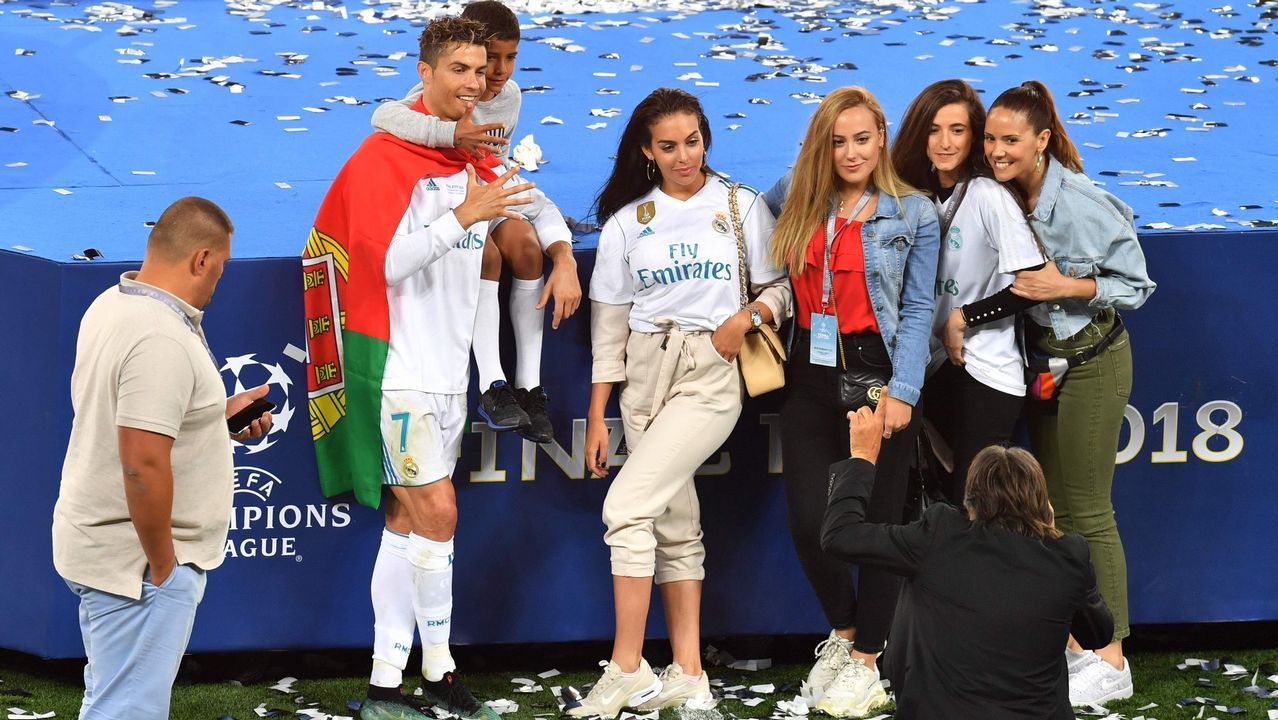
(432, 285)
(988, 241)
(678, 259)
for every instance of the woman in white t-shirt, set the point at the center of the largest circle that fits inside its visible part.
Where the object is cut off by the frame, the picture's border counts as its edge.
(975, 387)
(667, 322)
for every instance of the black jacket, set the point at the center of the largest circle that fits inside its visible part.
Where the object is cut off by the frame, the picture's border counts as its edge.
(982, 623)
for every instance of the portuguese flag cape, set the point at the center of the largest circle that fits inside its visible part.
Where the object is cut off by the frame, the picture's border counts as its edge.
(347, 316)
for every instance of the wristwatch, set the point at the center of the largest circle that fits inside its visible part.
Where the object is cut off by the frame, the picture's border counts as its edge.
(756, 317)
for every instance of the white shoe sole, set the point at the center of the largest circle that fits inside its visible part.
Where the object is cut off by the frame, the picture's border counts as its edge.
(1121, 693)
(844, 709)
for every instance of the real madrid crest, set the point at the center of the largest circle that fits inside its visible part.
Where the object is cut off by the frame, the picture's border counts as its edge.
(410, 467)
(720, 223)
(646, 212)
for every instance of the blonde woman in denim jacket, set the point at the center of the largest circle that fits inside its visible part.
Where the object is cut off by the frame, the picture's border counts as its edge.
(884, 242)
(1099, 268)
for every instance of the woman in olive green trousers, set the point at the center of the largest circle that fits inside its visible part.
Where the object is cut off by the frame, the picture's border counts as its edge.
(1097, 267)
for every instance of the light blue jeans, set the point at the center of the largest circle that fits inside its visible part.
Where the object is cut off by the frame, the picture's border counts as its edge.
(134, 647)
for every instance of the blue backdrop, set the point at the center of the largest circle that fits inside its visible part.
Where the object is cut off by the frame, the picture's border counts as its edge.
(1194, 498)
(109, 119)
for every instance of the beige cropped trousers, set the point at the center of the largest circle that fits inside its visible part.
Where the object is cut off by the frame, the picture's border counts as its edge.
(680, 403)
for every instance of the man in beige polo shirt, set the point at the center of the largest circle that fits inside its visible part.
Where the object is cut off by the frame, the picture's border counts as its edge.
(146, 489)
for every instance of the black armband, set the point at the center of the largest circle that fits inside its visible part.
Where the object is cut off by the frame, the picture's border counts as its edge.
(1001, 304)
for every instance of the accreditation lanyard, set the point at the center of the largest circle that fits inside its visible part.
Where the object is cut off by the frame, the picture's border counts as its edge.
(824, 329)
(170, 304)
(827, 276)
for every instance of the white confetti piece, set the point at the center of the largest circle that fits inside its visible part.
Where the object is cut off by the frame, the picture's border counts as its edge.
(143, 172)
(287, 118)
(503, 706)
(62, 191)
(23, 248)
(596, 126)
(295, 352)
(551, 672)
(551, 120)
(285, 685)
(283, 186)
(1184, 159)
(104, 118)
(295, 129)
(20, 714)
(15, 164)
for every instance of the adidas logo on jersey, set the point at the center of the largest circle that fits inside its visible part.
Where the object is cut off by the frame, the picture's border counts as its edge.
(647, 231)
(431, 186)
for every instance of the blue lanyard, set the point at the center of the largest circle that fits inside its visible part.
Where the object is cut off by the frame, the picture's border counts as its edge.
(168, 302)
(827, 277)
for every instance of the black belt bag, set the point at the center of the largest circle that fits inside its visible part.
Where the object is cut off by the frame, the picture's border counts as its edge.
(1045, 373)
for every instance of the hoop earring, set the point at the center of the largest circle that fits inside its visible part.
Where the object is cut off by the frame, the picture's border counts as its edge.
(1038, 162)
(649, 169)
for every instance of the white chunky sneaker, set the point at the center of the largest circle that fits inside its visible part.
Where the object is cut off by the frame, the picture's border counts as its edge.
(1097, 682)
(1076, 661)
(832, 654)
(677, 689)
(854, 693)
(616, 690)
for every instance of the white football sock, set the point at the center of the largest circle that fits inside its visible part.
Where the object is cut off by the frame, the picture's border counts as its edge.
(393, 616)
(529, 323)
(487, 342)
(433, 601)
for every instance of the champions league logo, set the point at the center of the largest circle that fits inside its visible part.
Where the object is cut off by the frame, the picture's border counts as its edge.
(261, 528)
(249, 373)
(266, 518)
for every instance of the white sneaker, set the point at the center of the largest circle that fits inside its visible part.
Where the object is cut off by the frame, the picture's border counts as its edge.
(1097, 682)
(1076, 661)
(616, 690)
(832, 654)
(854, 693)
(677, 689)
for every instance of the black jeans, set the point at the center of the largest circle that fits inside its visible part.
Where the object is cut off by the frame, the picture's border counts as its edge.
(970, 415)
(814, 434)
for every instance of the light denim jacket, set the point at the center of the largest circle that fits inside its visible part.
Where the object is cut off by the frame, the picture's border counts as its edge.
(901, 241)
(1088, 233)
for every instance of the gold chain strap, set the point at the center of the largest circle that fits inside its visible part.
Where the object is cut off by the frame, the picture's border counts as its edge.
(739, 231)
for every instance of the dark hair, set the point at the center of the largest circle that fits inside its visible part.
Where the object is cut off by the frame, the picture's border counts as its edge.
(909, 151)
(629, 179)
(439, 35)
(497, 19)
(187, 225)
(1006, 489)
(1034, 100)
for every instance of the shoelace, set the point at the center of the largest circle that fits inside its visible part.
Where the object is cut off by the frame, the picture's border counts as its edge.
(671, 672)
(827, 647)
(611, 673)
(856, 669)
(536, 401)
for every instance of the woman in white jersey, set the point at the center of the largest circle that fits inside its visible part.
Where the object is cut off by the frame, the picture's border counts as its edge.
(975, 387)
(667, 323)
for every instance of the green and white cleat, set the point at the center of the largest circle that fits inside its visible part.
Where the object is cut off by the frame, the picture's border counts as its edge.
(389, 710)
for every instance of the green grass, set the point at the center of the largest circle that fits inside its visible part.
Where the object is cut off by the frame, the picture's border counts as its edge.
(1156, 677)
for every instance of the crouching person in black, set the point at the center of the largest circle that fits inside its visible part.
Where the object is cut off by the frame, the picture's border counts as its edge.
(992, 592)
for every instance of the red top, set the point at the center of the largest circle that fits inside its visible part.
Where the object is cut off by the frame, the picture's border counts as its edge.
(850, 293)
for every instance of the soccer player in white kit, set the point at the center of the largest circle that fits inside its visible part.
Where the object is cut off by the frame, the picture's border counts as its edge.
(432, 274)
